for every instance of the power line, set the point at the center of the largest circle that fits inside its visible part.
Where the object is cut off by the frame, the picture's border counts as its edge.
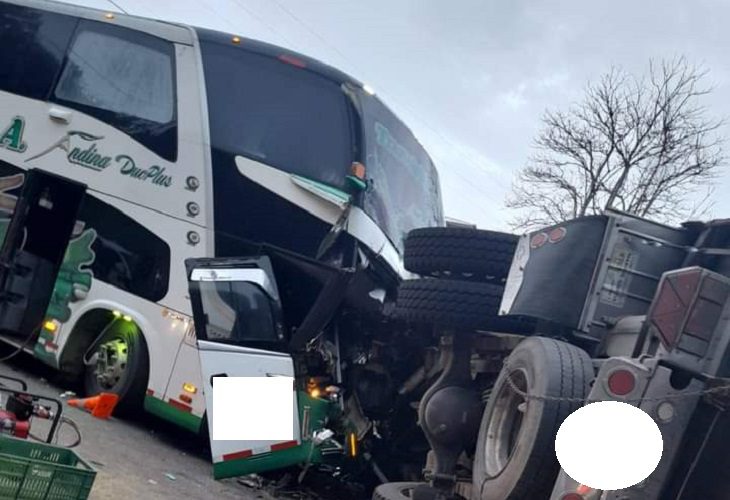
(234, 28)
(458, 148)
(319, 37)
(415, 115)
(237, 29)
(263, 21)
(117, 6)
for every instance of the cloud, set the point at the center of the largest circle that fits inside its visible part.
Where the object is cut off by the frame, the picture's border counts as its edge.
(472, 78)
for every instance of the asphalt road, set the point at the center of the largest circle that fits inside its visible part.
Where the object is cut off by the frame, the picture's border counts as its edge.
(145, 459)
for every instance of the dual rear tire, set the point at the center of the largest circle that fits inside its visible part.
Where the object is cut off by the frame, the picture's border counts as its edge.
(470, 265)
(459, 253)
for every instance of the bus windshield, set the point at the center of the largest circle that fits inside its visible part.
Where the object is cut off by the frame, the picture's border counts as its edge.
(288, 118)
(404, 193)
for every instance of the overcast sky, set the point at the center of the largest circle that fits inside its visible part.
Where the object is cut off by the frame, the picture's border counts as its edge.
(472, 77)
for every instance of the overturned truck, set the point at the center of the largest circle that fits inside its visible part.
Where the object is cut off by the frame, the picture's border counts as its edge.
(459, 379)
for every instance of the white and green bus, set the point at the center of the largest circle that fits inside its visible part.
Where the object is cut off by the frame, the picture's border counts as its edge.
(192, 143)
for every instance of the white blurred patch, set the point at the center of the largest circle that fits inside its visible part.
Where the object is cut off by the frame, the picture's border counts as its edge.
(609, 445)
(253, 408)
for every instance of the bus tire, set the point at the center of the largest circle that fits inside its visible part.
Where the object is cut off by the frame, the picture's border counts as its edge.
(515, 454)
(459, 253)
(122, 367)
(394, 491)
(449, 303)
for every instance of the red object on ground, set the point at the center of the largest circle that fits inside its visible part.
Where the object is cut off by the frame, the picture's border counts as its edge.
(11, 425)
(100, 406)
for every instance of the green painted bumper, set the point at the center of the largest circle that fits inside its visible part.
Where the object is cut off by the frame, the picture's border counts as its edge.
(267, 461)
(314, 413)
(168, 412)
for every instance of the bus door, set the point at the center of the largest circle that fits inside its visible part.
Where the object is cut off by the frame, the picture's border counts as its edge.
(237, 314)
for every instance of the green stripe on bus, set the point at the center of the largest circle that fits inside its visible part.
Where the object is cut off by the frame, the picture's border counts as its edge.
(267, 461)
(184, 419)
(318, 412)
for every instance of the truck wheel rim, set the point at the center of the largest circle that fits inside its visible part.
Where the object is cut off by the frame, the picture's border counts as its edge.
(505, 423)
(111, 362)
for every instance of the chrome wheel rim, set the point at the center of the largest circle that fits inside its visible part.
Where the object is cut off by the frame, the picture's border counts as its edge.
(505, 424)
(111, 362)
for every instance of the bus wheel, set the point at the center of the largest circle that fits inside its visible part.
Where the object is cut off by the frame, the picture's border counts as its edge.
(120, 365)
(515, 454)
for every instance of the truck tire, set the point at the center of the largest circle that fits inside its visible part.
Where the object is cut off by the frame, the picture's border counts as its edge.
(515, 452)
(449, 303)
(123, 369)
(394, 491)
(459, 253)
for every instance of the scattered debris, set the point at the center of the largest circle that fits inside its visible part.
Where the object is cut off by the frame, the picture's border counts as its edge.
(169, 476)
(152, 481)
(251, 481)
(67, 394)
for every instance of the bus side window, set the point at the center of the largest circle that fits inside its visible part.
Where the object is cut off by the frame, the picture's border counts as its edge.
(126, 254)
(33, 43)
(237, 312)
(126, 79)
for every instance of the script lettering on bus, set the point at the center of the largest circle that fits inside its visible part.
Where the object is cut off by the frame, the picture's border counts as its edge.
(87, 154)
(154, 174)
(12, 137)
(89, 157)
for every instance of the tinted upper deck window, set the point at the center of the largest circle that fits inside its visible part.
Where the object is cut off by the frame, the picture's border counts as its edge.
(33, 45)
(127, 255)
(125, 78)
(276, 113)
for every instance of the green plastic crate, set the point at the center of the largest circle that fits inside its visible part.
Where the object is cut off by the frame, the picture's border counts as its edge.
(39, 471)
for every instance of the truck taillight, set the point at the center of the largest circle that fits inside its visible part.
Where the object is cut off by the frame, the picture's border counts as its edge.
(621, 382)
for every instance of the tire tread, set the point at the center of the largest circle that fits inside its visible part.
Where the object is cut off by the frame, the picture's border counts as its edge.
(450, 303)
(459, 251)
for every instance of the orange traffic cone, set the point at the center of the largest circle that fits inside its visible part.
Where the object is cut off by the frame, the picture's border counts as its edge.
(100, 406)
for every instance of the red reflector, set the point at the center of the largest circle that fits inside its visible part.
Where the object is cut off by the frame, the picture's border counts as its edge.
(669, 309)
(179, 405)
(571, 496)
(292, 60)
(283, 446)
(237, 455)
(621, 382)
(186, 398)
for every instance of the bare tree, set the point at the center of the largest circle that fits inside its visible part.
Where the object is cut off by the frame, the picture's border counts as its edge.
(641, 145)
